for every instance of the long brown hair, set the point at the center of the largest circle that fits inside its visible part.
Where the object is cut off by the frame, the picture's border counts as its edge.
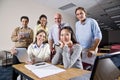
(40, 31)
(73, 38)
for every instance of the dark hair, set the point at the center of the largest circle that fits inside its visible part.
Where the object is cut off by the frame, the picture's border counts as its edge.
(40, 31)
(24, 17)
(73, 38)
(42, 16)
(81, 8)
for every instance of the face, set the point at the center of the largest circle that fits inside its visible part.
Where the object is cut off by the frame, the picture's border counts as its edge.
(58, 19)
(24, 22)
(81, 15)
(41, 37)
(43, 21)
(65, 36)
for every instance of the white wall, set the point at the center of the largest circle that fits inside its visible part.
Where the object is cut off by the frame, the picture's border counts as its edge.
(12, 10)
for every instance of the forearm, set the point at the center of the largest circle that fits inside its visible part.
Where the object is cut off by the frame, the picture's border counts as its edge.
(66, 57)
(57, 57)
(51, 44)
(68, 60)
(95, 44)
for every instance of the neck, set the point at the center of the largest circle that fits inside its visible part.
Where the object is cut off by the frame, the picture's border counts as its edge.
(39, 44)
(43, 26)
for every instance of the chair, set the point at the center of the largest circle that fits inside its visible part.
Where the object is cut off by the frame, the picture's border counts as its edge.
(115, 48)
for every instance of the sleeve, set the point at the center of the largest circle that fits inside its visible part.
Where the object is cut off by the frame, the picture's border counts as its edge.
(58, 56)
(69, 60)
(47, 52)
(29, 52)
(50, 34)
(96, 30)
(14, 36)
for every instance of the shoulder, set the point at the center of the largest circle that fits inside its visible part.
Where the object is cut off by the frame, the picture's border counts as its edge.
(78, 22)
(46, 45)
(29, 28)
(17, 28)
(91, 20)
(31, 45)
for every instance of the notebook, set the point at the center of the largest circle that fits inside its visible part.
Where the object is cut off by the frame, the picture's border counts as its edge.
(22, 54)
(106, 67)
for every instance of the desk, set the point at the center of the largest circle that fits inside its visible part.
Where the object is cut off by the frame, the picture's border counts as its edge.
(106, 50)
(69, 73)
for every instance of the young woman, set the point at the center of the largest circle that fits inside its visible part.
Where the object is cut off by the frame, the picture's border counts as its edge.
(39, 50)
(68, 52)
(41, 24)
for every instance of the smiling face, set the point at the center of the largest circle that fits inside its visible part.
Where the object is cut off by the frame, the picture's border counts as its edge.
(81, 15)
(41, 37)
(43, 21)
(58, 18)
(65, 36)
(24, 22)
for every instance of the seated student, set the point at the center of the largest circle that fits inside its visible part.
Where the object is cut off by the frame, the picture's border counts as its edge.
(39, 50)
(68, 52)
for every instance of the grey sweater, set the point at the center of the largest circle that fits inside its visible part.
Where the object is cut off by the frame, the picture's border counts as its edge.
(68, 59)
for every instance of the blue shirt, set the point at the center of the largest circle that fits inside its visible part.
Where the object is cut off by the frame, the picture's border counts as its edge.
(86, 33)
(54, 32)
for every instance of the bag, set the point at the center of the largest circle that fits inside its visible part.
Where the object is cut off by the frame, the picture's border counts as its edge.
(6, 58)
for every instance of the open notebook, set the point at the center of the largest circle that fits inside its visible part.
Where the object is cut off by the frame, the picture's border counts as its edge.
(44, 69)
(106, 67)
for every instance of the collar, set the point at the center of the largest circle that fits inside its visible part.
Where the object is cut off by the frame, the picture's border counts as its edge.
(35, 46)
(23, 28)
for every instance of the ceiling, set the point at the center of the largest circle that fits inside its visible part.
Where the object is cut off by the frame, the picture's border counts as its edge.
(106, 12)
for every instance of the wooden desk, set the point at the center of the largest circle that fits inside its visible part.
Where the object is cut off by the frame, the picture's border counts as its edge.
(69, 73)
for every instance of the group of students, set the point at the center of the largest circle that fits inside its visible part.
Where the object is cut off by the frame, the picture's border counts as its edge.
(68, 48)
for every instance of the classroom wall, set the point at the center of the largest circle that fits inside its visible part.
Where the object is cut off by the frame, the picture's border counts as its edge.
(12, 10)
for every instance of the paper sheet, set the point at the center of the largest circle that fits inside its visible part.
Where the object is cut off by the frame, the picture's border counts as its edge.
(44, 70)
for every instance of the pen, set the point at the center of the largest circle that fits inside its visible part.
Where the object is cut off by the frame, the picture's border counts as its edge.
(38, 64)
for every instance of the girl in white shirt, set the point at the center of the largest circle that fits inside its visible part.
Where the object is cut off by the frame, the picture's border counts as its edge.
(39, 50)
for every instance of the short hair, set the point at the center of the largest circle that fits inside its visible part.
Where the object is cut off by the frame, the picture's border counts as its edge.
(73, 38)
(24, 17)
(81, 8)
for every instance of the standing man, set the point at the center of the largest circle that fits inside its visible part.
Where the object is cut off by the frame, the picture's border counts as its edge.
(53, 37)
(88, 35)
(22, 36)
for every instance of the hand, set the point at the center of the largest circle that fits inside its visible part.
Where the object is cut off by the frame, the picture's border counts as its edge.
(20, 36)
(13, 51)
(69, 43)
(91, 52)
(30, 62)
(61, 44)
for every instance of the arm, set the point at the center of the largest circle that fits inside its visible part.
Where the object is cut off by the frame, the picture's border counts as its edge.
(14, 36)
(97, 38)
(47, 53)
(30, 55)
(58, 56)
(69, 60)
(30, 38)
